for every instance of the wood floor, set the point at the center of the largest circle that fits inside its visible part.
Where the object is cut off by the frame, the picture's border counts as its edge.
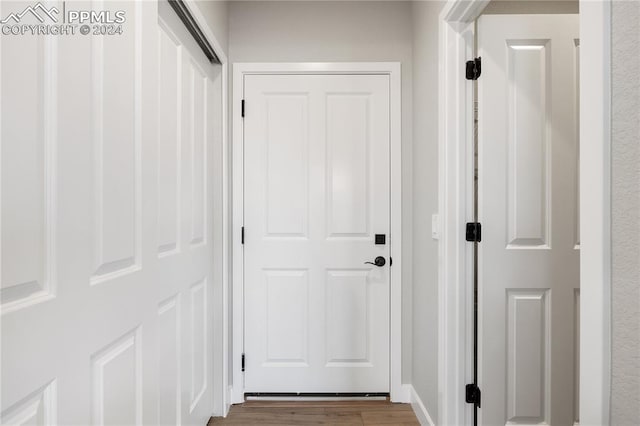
(318, 413)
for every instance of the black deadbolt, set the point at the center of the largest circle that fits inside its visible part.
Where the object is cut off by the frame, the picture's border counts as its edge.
(379, 261)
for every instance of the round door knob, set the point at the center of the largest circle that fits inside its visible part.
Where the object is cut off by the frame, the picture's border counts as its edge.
(379, 262)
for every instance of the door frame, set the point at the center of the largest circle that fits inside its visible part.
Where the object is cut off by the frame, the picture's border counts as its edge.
(455, 204)
(392, 69)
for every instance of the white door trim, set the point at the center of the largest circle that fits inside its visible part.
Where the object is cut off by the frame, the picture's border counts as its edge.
(595, 211)
(455, 205)
(393, 70)
(456, 29)
(222, 398)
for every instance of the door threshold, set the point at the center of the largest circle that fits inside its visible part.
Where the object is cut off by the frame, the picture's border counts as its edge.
(321, 396)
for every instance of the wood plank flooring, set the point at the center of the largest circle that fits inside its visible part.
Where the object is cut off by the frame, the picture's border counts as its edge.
(285, 413)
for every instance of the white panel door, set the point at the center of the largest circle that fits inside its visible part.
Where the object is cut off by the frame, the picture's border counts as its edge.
(316, 152)
(528, 207)
(107, 149)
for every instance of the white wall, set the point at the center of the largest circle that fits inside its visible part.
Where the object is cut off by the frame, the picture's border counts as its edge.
(338, 31)
(425, 202)
(625, 292)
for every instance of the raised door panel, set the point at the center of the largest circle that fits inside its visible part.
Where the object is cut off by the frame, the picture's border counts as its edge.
(117, 382)
(529, 155)
(37, 409)
(348, 318)
(286, 180)
(169, 361)
(287, 318)
(169, 139)
(576, 141)
(27, 170)
(348, 165)
(198, 337)
(528, 356)
(195, 117)
(199, 118)
(117, 156)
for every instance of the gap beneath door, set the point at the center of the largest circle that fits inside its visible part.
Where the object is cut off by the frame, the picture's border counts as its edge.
(316, 396)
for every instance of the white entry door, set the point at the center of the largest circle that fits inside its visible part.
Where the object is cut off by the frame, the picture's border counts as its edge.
(316, 152)
(109, 148)
(528, 207)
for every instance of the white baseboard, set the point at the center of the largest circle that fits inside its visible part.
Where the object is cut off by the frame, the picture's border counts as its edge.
(418, 407)
(236, 398)
(228, 400)
(404, 396)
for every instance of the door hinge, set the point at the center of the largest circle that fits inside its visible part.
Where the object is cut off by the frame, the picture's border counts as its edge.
(472, 394)
(390, 261)
(242, 108)
(242, 235)
(473, 69)
(242, 363)
(474, 232)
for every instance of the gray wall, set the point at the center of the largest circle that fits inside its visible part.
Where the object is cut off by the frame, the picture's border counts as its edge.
(339, 31)
(216, 12)
(625, 175)
(424, 375)
(500, 7)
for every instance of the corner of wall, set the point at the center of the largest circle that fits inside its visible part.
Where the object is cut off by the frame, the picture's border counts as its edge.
(418, 407)
(424, 372)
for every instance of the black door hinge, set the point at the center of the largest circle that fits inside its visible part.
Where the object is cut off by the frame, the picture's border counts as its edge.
(474, 232)
(472, 394)
(242, 363)
(242, 108)
(242, 235)
(473, 69)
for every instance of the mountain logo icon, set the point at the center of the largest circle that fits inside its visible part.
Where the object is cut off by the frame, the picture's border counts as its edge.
(38, 10)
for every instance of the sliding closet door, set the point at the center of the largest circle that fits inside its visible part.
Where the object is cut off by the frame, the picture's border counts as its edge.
(109, 188)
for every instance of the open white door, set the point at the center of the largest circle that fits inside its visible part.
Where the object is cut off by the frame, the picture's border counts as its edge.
(317, 191)
(528, 207)
(107, 147)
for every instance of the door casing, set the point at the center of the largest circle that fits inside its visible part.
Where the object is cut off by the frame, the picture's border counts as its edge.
(395, 241)
(455, 204)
